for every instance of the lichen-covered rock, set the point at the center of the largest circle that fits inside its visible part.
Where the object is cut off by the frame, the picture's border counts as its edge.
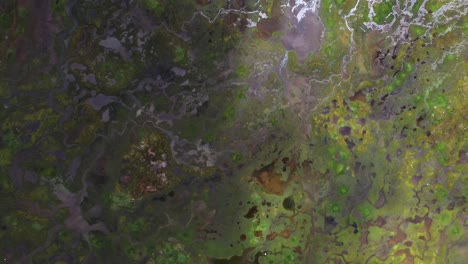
(147, 166)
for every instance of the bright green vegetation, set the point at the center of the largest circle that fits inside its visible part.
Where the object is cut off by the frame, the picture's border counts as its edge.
(383, 11)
